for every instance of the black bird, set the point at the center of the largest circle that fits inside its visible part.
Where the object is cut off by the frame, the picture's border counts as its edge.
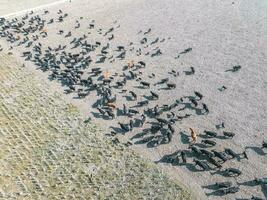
(171, 128)
(68, 35)
(111, 37)
(133, 95)
(203, 165)
(143, 41)
(148, 31)
(183, 154)
(222, 88)
(234, 69)
(110, 114)
(191, 72)
(232, 172)
(131, 124)
(210, 133)
(162, 81)
(124, 109)
(228, 134)
(143, 119)
(157, 53)
(199, 95)
(214, 162)
(196, 150)
(123, 127)
(205, 107)
(162, 121)
(229, 190)
(186, 50)
(171, 85)
(220, 155)
(194, 102)
(101, 111)
(231, 152)
(132, 111)
(142, 63)
(145, 84)
(207, 153)
(155, 41)
(208, 142)
(225, 184)
(142, 103)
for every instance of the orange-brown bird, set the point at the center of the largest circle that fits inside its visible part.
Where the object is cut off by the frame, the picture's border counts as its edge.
(111, 105)
(106, 75)
(193, 136)
(130, 64)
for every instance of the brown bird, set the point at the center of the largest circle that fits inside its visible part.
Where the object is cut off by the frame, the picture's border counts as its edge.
(106, 75)
(111, 105)
(193, 136)
(130, 64)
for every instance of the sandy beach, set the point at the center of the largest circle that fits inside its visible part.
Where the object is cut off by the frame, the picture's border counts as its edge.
(219, 34)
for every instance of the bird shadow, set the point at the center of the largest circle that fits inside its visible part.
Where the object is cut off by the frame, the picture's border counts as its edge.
(198, 111)
(258, 150)
(192, 168)
(215, 193)
(128, 98)
(152, 144)
(188, 73)
(144, 140)
(98, 115)
(210, 187)
(150, 98)
(139, 135)
(97, 103)
(250, 183)
(117, 130)
(184, 138)
(140, 87)
(264, 190)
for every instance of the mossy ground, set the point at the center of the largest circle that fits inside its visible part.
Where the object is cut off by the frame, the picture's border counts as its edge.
(47, 152)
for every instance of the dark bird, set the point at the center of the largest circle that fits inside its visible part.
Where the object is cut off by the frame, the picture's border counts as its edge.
(203, 165)
(183, 154)
(191, 72)
(123, 127)
(232, 172)
(220, 155)
(145, 84)
(199, 95)
(228, 134)
(143, 119)
(186, 50)
(234, 68)
(68, 35)
(162, 81)
(154, 95)
(101, 111)
(148, 31)
(210, 133)
(208, 142)
(133, 95)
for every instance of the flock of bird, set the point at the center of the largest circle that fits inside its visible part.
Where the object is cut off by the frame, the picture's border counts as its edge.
(74, 63)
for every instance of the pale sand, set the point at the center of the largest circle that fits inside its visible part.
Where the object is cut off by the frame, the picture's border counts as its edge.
(14, 7)
(221, 34)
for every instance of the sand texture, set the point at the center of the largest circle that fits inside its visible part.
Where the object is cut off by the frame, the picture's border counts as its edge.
(198, 45)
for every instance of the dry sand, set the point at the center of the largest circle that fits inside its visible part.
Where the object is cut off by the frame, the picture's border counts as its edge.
(222, 34)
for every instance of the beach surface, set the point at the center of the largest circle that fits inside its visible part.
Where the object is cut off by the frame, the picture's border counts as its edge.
(221, 34)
